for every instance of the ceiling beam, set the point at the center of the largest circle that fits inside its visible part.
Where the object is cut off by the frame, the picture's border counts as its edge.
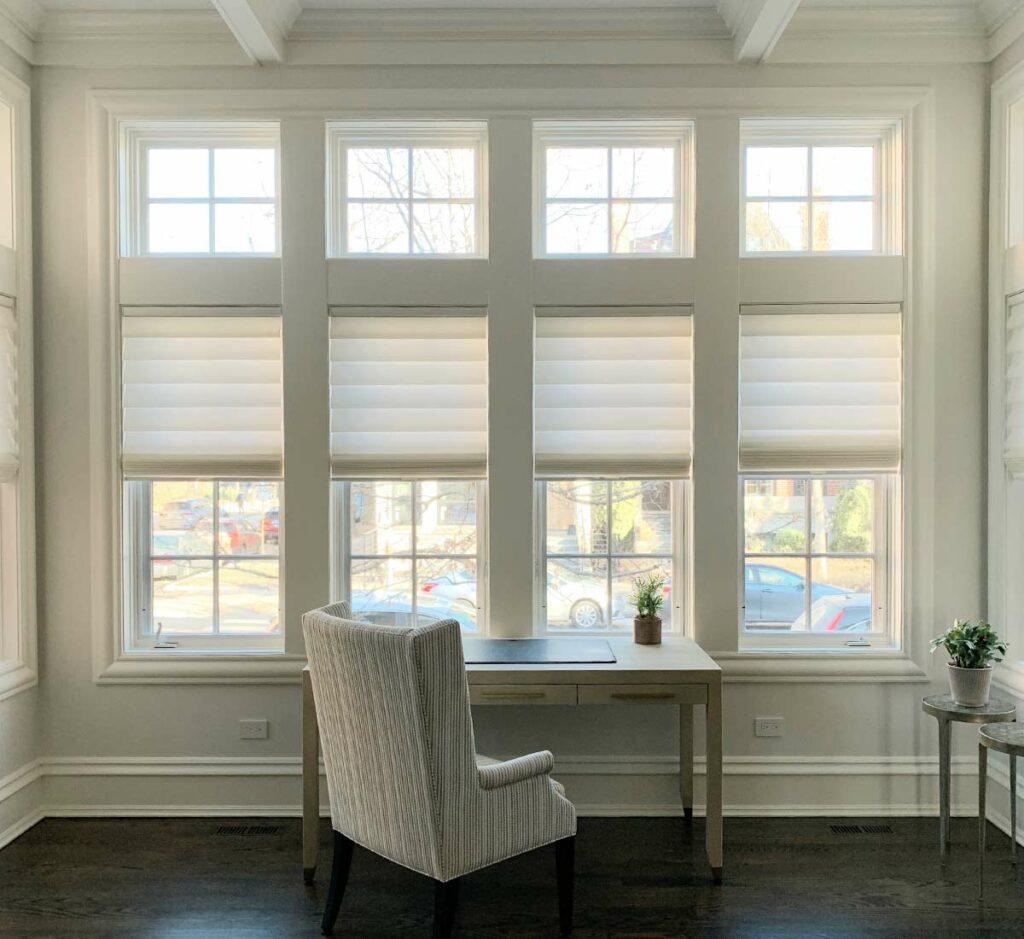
(260, 26)
(756, 25)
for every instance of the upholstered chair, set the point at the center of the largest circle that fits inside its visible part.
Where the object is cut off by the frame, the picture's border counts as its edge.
(403, 775)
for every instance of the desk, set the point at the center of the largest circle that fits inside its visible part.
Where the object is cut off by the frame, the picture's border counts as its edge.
(677, 673)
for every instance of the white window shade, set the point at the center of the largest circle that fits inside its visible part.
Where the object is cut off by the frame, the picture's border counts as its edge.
(408, 395)
(1013, 449)
(201, 395)
(820, 388)
(613, 394)
(9, 456)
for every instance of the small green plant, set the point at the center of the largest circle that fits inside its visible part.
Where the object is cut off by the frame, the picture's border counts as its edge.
(971, 645)
(647, 595)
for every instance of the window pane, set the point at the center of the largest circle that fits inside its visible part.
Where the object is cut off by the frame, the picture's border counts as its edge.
(577, 172)
(378, 228)
(175, 173)
(577, 517)
(182, 596)
(248, 519)
(624, 572)
(776, 226)
(182, 518)
(775, 592)
(383, 587)
(446, 521)
(245, 228)
(642, 227)
(248, 592)
(443, 172)
(776, 171)
(639, 172)
(443, 228)
(378, 173)
(844, 171)
(576, 594)
(179, 229)
(446, 589)
(840, 596)
(641, 517)
(380, 518)
(248, 172)
(577, 228)
(842, 515)
(844, 226)
(775, 515)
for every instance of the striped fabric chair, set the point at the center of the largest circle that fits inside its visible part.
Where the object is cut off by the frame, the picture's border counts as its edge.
(403, 774)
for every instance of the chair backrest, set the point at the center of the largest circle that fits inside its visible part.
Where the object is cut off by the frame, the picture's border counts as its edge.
(396, 732)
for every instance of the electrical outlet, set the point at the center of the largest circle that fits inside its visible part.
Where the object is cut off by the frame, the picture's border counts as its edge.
(253, 729)
(767, 726)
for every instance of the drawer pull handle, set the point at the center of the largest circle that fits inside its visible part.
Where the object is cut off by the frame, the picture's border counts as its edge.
(533, 695)
(643, 695)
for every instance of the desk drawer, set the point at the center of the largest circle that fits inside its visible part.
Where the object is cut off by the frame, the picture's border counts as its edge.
(643, 694)
(522, 694)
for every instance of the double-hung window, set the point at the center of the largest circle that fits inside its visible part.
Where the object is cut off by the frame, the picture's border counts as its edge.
(612, 440)
(819, 450)
(202, 461)
(409, 460)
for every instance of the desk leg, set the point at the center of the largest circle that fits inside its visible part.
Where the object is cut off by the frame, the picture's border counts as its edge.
(982, 785)
(686, 759)
(944, 780)
(713, 821)
(310, 782)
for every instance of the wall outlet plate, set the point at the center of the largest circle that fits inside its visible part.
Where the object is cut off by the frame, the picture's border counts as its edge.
(253, 729)
(767, 726)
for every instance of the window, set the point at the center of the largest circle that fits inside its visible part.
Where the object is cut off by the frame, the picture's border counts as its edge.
(598, 537)
(412, 550)
(414, 188)
(201, 456)
(821, 187)
(199, 189)
(13, 651)
(613, 188)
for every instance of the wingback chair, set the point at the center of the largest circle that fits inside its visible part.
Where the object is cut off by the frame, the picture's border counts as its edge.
(403, 774)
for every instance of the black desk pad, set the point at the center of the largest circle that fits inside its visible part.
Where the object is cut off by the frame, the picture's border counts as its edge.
(535, 651)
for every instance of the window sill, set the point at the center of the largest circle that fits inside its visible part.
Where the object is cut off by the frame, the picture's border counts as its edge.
(841, 665)
(15, 678)
(191, 668)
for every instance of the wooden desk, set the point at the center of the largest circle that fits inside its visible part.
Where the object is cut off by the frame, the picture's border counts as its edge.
(677, 673)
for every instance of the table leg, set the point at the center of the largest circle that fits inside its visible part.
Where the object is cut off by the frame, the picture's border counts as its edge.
(1013, 809)
(310, 782)
(713, 820)
(944, 780)
(686, 759)
(982, 781)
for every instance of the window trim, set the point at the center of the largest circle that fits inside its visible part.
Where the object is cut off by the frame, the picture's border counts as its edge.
(137, 138)
(884, 135)
(887, 575)
(681, 614)
(342, 135)
(608, 134)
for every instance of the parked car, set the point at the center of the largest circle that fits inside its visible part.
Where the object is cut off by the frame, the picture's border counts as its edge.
(234, 535)
(775, 596)
(270, 526)
(386, 609)
(845, 613)
(185, 513)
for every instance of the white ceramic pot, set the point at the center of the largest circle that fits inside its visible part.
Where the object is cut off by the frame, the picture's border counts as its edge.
(970, 686)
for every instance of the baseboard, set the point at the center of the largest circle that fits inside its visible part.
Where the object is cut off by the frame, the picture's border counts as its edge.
(19, 801)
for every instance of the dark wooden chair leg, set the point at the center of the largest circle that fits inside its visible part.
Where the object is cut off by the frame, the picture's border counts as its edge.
(343, 848)
(446, 896)
(565, 864)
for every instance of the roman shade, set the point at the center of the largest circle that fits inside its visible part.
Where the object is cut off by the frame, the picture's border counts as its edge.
(201, 394)
(9, 455)
(1013, 445)
(820, 388)
(612, 394)
(408, 394)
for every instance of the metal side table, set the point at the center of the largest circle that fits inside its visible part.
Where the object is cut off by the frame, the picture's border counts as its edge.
(1008, 739)
(945, 710)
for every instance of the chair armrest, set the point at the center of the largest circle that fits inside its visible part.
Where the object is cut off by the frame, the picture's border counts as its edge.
(496, 775)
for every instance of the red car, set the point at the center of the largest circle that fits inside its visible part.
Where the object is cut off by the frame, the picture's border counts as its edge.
(271, 523)
(237, 536)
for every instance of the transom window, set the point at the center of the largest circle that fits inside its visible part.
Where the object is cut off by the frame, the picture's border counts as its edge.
(613, 188)
(407, 189)
(812, 187)
(198, 189)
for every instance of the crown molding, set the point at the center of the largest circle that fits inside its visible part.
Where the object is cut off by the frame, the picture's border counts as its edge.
(20, 23)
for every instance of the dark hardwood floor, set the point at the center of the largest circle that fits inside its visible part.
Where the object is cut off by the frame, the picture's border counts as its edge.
(791, 878)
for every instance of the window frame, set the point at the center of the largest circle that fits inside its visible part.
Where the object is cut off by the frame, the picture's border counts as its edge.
(609, 134)
(341, 556)
(137, 138)
(887, 577)
(681, 619)
(341, 135)
(883, 135)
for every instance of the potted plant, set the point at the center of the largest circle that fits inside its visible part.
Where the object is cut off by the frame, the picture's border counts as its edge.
(972, 648)
(648, 599)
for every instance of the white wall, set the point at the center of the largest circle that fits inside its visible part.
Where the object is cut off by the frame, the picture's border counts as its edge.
(851, 746)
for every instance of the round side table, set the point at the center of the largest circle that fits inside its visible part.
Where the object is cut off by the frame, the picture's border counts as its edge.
(945, 710)
(1008, 739)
